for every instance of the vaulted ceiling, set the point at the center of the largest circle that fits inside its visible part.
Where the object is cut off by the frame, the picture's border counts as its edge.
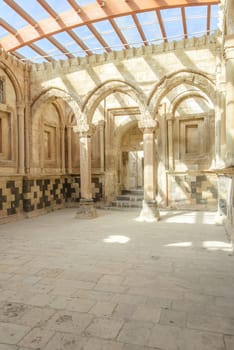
(40, 30)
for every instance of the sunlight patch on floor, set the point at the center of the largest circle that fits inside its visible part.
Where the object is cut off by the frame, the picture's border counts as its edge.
(117, 239)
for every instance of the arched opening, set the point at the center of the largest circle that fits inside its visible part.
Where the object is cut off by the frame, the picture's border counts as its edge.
(131, 162)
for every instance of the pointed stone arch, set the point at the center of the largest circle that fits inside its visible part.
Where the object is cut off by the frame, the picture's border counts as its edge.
(194, 78)
(51, 95)
(108, 87)
(14, 81)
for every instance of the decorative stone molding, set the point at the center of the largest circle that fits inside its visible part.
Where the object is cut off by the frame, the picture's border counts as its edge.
(148, 124)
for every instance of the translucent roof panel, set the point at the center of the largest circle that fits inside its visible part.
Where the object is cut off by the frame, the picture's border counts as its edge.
(34, 9)
(150, 26)
(214, 18)
(96, 31)
(59, 5)
(51, 50)
(87, 36)
(172, 20)
(129, 30)
(196, 18)
(72, 47)
(31, 54)
(109, 35)
(3, 32)
(11, 17)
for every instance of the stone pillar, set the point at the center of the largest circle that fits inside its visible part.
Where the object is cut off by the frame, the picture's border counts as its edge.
(69, 149)
(62, 149)
(21, 152)
(170, 135)
(102, 146)
(86, 208)
(149, 210)
(229, 55)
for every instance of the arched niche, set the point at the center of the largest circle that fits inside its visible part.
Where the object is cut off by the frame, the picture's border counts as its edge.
(11, 98)
(187, 120)
(54, 118)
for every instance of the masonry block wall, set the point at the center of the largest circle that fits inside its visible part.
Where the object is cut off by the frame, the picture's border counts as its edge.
(29, 196)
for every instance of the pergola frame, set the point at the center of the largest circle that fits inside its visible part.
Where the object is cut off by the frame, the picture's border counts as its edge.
(78, 16)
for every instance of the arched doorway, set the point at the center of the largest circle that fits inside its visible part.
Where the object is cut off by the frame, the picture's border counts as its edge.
(131, 162)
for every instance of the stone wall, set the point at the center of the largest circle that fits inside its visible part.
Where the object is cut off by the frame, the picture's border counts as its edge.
(226, 200)
(194, 191)
(25, 196)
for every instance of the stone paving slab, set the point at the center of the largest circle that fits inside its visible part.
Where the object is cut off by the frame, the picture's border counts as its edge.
(113, 283)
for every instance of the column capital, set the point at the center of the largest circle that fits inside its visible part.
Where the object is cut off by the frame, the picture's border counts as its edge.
(20, 108)
(148, 125)
(229, 47)
(85, 130)
(101, 123)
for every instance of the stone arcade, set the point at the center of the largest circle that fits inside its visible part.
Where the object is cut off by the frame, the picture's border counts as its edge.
(157, 118)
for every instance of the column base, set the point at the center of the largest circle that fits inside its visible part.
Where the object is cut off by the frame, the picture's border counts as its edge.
(149, 212)
(86, 209)
(229, 161)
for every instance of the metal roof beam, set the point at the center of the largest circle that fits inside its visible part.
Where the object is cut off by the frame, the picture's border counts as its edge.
(49, 9)
(99, 38)
(140, 30)
(79, 42)
(90, 13)
(74, 5)
(208, 20)
(184, 22)
(41, 52)
(160, 21)
(119, 33)
(21, 12)
(60, 47)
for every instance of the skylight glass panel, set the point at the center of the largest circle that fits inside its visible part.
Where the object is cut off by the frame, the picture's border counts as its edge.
(85, 2)
(89, 39)
(214, 18)
(34, 9)
(50, 49)
(150, 26)
(196, 18)
(109, 35)
(3, 32)
(173, 25)
(30, 54)
(11, 17)
(59, 5)
(67, 41)
(129, 30)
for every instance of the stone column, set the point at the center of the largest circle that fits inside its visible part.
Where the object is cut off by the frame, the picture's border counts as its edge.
(102, 146)
(21, 153)
(149, 210)
(62, 133)
(86, 208)
(229, 55)
(69, 149)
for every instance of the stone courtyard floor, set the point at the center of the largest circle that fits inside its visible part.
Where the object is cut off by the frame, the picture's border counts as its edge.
(113, 283)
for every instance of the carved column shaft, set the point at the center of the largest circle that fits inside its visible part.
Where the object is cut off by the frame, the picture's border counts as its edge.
(102, 149)
(21, 155)
(69, 149)
(62, 133)
(85, 166)
(149, 209)
(149, 165)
